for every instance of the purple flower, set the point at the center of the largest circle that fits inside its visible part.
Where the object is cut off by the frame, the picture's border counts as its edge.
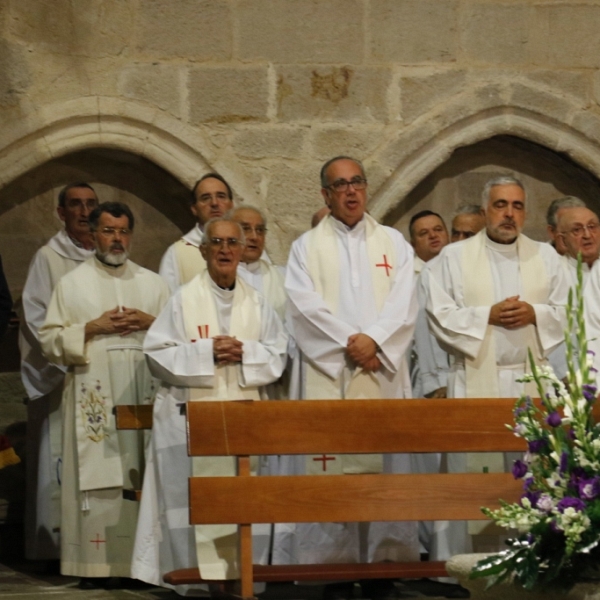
(589, 392)
(519, 469)
(533, 497)
(564, 462)
(536, 446)
(589, 488)
(568, 502)
(553, 419)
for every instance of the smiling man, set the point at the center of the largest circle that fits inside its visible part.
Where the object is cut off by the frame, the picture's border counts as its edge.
(42, 380)
(95, 325)
(216, 339)
(352, 310)
(489, 299)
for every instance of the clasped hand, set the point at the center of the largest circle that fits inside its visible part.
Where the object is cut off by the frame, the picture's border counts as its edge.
(122, 321)
(227, 349)
(512, 313)
(362, 350)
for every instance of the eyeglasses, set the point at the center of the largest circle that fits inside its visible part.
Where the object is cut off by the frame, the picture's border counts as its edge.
(112, 231)
(232, 243)
(578, 230)
(341, 185)
(220, 198)
(258, 230)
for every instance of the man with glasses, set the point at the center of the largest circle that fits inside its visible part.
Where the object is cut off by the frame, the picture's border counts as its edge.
(211, 197)
(489, 299)
(352, 310)
(95, 326)
(216, 339)
(42, 380)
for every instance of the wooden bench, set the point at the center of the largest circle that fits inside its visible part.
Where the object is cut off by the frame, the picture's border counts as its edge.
(245, 428)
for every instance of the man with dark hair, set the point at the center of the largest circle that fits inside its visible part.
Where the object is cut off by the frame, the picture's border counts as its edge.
(95, 326)
(428, 235)
(43, 380)
(211, 197)
(351, 310)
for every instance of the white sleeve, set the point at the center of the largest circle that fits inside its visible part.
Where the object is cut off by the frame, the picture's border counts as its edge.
(169, 269)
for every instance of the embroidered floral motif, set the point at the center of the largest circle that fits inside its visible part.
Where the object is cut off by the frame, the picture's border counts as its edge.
(93, 412)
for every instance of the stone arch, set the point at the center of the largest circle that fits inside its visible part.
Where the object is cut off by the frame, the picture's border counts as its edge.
(572, 132)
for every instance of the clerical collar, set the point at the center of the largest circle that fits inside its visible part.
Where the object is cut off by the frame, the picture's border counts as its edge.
(253, 267)
(342, 227)
(503, 248)
(221, 291)
(76, 242)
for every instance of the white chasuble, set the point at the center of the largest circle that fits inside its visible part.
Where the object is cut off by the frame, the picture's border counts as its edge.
(189, 260)
(324, 269)
(217, 545)
(103, 372)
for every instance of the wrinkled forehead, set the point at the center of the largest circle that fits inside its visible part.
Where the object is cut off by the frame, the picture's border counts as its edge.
(509, 192)
(224, 229)
(344, 168)
(248, 215)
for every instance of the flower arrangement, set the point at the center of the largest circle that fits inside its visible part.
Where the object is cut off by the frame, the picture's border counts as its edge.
(558, 515)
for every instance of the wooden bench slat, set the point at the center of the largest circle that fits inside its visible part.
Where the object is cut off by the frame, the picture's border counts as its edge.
(382, 497)
(133, 416)
(339, 572)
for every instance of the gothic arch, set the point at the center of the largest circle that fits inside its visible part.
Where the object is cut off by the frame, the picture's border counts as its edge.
(561, 135)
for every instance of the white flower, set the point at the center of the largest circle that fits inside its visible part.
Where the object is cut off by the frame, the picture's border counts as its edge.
(545, 503)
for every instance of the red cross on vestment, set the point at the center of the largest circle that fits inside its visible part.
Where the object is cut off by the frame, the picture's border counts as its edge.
(97, 541)
(323, 458)
(386, 265)
(203, 331)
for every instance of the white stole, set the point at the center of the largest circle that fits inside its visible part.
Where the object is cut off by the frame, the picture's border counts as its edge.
(324, 269)
(217, 545)
(478, 289)
(189, 260)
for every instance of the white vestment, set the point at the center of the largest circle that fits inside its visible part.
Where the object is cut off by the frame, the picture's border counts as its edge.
(371, 292)
(165, 540)
(43, 384)
(97, 525)
(182, 261)
(591, 299)
(463, 328)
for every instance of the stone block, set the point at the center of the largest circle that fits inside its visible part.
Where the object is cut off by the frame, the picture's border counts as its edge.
(273, 142)
(423, 90)
(481, 24)
(332, 93)
(413, 31)
(577, 84)
(160, 85)
(190, 29)
(333, 140)
(540, 102)
(228, 95)
(596, 87)
(566, 35)
(91, 28)
(15, 76)
(300, 31)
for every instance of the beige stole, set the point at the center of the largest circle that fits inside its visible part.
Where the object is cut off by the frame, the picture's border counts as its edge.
(324, 269)
(189, 260)
(217, 545)
(482, 372)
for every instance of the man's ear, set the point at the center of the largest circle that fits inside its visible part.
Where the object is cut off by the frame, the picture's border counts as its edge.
(325, 194)
(61, 212)
(204, 251)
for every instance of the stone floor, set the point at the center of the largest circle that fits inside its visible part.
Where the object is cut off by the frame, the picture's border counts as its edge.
(22, 580)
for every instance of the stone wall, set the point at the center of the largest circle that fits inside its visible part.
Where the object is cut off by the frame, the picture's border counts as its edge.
(264, 91)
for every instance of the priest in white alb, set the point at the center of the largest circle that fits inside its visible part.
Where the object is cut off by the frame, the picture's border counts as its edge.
(42, 380)
(95, 327)
(216, 339)
(490, 298)
(211, 197)
(352, 310)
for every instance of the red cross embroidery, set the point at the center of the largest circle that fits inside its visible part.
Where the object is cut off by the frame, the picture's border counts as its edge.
(324, 460)
(386, 265)
(203, 331)
(97, 541)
